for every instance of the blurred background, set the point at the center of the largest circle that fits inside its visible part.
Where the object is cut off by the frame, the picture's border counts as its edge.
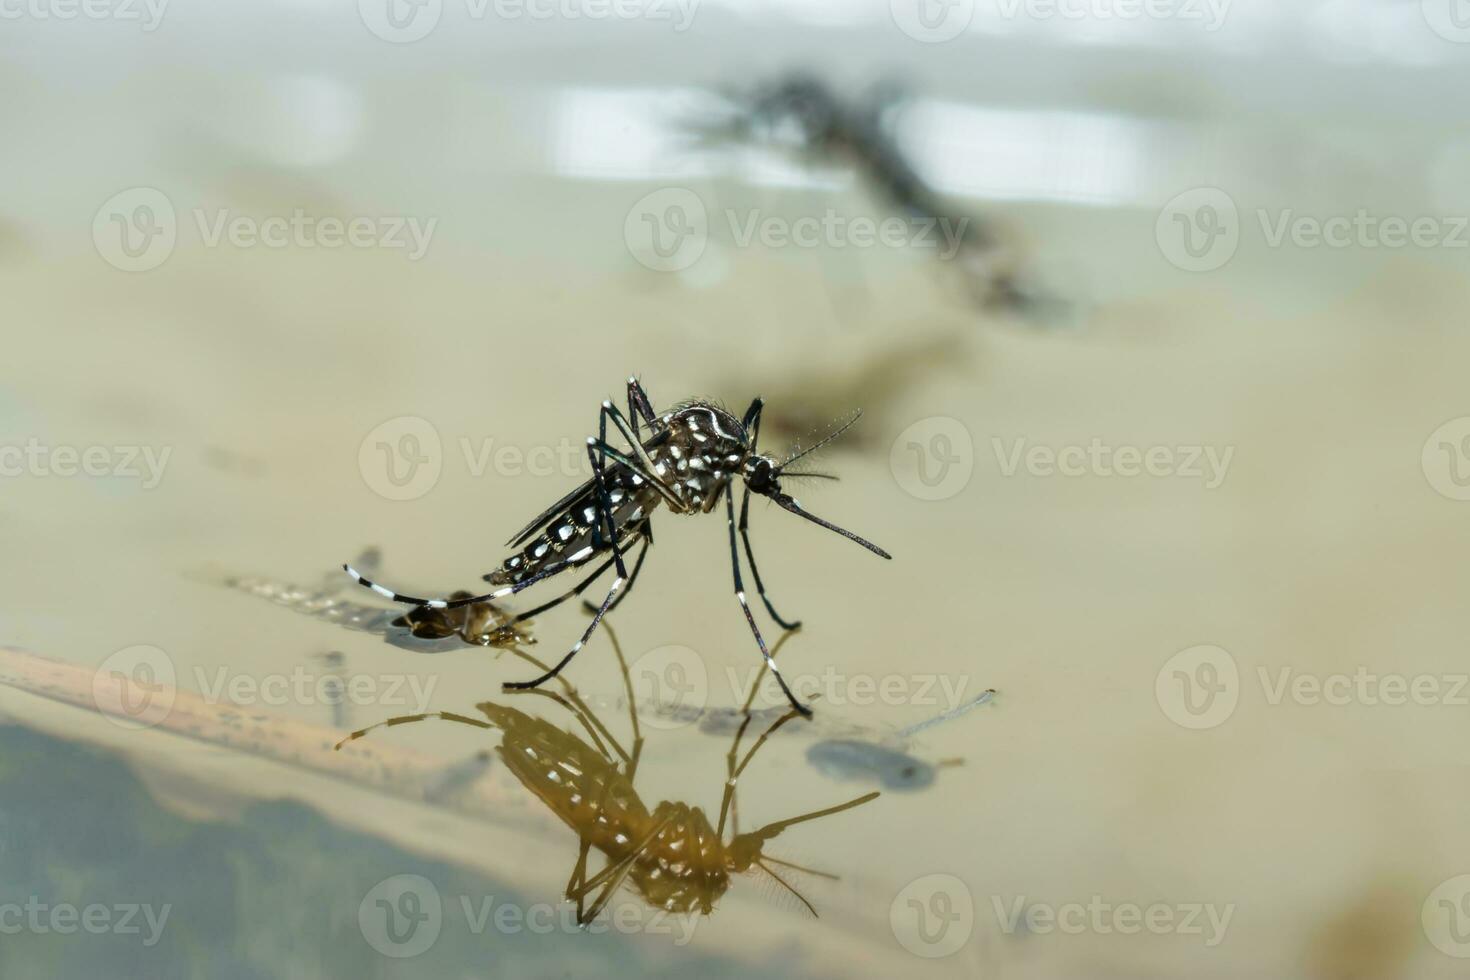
(1154, 309)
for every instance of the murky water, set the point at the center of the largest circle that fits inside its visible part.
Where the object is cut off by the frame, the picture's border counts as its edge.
(1199, 527)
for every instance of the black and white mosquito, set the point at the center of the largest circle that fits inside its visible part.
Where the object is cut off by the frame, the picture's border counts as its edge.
(688, 461)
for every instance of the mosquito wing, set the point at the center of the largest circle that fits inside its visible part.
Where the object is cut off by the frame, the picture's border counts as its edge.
(545, 517)
(549, 514)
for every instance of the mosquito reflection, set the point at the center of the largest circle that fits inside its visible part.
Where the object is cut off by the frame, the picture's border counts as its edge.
(671, 856)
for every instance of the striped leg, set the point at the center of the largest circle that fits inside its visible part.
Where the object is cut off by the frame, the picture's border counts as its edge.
(581, 587)
(412, 719)
(637, 567)
(745, 608)
(645, 465)
(553, 569)
(639, 407)
(760, 587)
(618, 581)
(752, 423)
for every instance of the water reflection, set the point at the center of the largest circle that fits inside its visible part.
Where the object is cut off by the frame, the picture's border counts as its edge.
(672, 856)
(846, 750)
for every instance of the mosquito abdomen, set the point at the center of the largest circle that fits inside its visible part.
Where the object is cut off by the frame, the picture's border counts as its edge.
(581, 787)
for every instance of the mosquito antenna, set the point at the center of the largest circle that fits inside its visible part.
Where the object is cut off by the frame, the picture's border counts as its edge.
(795, 508)
(826, 439)
(802, 868)
(784, 884)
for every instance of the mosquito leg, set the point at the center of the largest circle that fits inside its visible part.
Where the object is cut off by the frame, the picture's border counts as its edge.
(638, 404)
(412, 719)
(752, 424)
(575, 884)
(570, 593)
(760, 675)
(637, 566)
(617, 585)
(642, 471)
(730, 803)
(578, 708)
(755, 572)
(554, 568)
(745, 608)
(730, 757)
(632, 706)
(735, 770)
(614, 874)
(647, 465)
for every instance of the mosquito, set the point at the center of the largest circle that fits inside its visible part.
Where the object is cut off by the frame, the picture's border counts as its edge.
(688, 460)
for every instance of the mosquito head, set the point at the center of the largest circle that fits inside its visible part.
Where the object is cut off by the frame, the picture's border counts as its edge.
(762, 475)
(743, 851)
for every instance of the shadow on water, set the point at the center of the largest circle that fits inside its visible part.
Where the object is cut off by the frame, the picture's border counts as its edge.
(276, 892)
